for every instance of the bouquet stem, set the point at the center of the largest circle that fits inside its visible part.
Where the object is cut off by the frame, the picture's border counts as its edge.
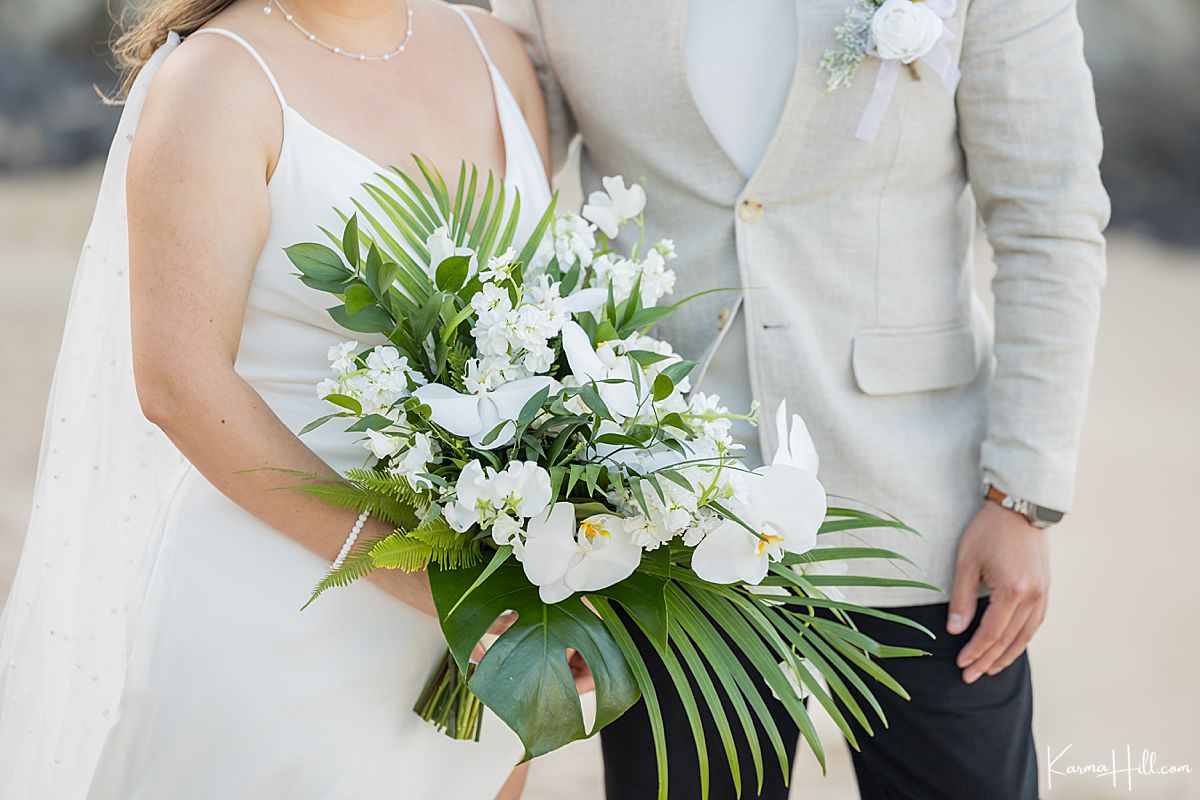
(449, 704)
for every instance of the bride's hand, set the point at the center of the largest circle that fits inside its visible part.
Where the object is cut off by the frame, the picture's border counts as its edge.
(584, 680)
(502, 623)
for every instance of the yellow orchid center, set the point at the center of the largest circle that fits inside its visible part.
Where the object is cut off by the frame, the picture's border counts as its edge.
(593, 529)
(764, 540)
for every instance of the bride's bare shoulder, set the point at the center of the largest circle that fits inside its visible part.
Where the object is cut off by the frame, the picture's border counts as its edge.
(209, 96)
(509, 55)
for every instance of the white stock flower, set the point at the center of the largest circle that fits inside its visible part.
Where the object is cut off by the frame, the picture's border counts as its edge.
(415, 459)
(341, 358)
(498, 266)
(622, 273)
(491, 303)
(905, 30)
(483, 495)
(615, 205)
(378, 386)
(657, 280)
(666, 248)
(538, 360)
(570, 239)
(562, 558)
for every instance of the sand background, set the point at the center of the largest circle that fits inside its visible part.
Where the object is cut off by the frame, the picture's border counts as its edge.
(1114, 665)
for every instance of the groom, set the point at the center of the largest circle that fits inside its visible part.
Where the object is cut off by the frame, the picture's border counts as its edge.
(853, 239)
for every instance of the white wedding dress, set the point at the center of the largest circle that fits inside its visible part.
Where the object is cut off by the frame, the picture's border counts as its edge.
(231, 691)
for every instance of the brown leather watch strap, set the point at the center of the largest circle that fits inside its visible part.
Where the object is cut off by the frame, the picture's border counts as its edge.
(995, 495)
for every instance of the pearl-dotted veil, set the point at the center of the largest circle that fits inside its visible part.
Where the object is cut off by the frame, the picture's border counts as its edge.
(101, 475)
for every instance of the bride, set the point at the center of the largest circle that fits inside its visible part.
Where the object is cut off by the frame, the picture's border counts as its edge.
(153, 646)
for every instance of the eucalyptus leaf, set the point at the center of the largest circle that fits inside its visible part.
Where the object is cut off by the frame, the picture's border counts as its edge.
(317, 261)
(369, 320)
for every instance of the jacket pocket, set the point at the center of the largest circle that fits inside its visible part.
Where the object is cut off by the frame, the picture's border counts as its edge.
(902, 361)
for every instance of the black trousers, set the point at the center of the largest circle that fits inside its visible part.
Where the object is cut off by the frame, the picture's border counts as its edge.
(950, 742)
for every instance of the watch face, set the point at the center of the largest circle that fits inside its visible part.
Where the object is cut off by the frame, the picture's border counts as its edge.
(1047, 516)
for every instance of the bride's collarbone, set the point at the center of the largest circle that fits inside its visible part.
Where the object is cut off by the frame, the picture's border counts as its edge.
(437, 100)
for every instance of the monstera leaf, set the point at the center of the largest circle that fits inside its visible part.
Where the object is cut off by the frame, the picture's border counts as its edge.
(524, 677)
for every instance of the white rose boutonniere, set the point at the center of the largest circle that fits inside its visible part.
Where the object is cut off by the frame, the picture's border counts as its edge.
(905, 30)
(897, 32)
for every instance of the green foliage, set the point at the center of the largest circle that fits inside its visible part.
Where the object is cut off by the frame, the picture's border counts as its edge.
(432, 543)
(720, 645)
(524, 677)
(358, 564)
(395, 291)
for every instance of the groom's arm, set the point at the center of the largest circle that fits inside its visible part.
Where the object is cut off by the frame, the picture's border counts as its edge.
(1027, 122)
(1028, 128)
(524, 17)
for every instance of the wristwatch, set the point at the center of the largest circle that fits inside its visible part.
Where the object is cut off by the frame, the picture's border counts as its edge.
(1037, 516)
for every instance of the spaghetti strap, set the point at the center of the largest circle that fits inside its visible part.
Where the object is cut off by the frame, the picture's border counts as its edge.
(475, 34)
(250, 49)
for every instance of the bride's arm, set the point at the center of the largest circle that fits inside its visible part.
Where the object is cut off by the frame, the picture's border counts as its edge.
(198, 217)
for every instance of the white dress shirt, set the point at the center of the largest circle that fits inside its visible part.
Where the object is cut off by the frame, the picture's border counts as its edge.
(739, 69)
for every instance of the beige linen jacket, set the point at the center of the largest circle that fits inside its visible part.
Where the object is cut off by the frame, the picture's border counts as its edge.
(855, 257)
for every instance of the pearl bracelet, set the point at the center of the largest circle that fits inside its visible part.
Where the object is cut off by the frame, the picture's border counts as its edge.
(354, 532)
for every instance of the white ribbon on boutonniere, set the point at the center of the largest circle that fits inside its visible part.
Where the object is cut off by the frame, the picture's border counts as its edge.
(899, 33)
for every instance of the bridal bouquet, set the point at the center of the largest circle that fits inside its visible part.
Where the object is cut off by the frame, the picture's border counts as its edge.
(539, 452)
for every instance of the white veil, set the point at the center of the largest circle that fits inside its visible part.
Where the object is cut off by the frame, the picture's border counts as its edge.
(102, 472)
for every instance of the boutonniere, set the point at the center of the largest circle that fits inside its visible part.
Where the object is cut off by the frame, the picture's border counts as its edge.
(900, 33)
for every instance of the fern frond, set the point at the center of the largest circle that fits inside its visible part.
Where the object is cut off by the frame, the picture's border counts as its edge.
(451, 549)
(437, 533)
(400, 551)
(358, 564)
(355, 497)
(433, 541)
(383, 483)
(466, 555)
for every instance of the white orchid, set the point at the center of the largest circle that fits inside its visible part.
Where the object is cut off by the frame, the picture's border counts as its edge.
(562, 558)
(484, 495)
(796, 446)
(441, 246)
(791, 671)
(614, 206)
(382, 445)
(475, 416)
(785, 506)
(612, 373)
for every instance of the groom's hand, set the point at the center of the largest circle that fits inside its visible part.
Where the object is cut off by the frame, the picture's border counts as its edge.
(1012, 559)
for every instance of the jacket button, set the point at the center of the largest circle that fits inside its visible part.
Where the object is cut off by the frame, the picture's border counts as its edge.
(722, 318)
(750, 211)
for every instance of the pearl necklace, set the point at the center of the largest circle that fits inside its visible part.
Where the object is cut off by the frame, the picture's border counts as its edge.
(312, 37)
